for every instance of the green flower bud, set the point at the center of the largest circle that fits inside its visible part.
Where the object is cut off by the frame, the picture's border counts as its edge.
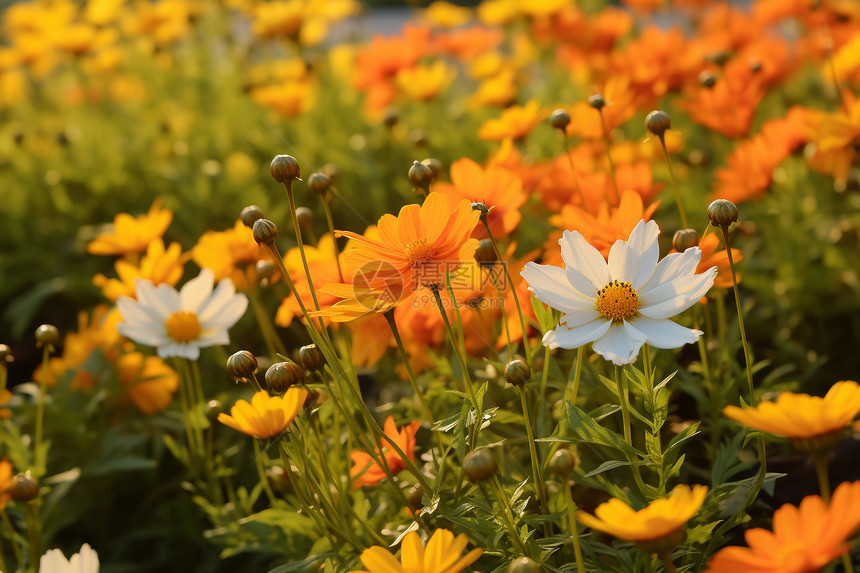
(47, 334)
(250, 215)
(559, 119)
(265, 232)
(597, 102)
(319, 183)
(420, 175)
(517, 372)
(285, 168)
(241, 366)
(685, 239)
(480, 465)
(722, 213)
(311, 358)
(281, 375)
(24, 487)
(657, 122)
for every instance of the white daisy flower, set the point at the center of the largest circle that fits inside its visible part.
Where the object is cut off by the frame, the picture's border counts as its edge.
(622, 304)
(181, 323)
(53, 561)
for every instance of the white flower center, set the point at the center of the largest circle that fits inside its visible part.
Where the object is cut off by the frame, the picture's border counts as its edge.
(183, 326)
(617, 301)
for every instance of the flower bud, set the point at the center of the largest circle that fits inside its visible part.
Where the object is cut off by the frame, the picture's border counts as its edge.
(250, 215)
(311, 400)
(707, 79)
(265, 232)
(562, 463)
(720, 58)
(434, 164)
(685, 239)
(319, 183)
(305, 218)
(415, 494)
(517, 372)
(279, 479)
(420, 175)
(24, 487)
(559, 119)
(657, 122)
(265, 271)
(391, 117)
(418, 137)
(281, 375)
(722, 213)
(213, 408)
(6, 353)
(47, 334)
(311, 358)
(524, 565)
(18, 137)
(485, 254)
(476, 206)
(597, 102)
(241, 366)
(480, 465)
(285, 168)
(755, 66)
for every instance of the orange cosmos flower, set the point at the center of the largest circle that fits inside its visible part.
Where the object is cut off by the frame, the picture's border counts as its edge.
(230, 254)
(834, 135)
(324, 270)
(801, 416)
(468, 43)
(149, 382)
(380, 61)
(804, 539)
(661, 518)
(712, 257)
(601, 230)
(728, 107)
(6, 482)
(367, 472)
(515, 122)
(495, 187)
(422, 243)
(130, 234)
(620, 107)
(446, 15)
(159, 265)
(265, 416)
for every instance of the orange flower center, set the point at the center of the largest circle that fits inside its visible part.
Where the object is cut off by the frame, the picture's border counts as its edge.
(617, 301)
(419, 251)
(183, 326)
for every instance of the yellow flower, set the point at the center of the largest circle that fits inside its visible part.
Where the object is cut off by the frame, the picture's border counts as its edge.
(661, 518)
(229, 254)
(266, 416)
(5, 482)
(5, 396)
(423, 83)
(132, 234)
(159, 265)
(149, 381)
(801, 416)
(514, 123)
(446, 15)
(442, 555)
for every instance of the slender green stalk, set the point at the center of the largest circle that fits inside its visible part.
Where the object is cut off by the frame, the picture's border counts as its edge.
(38, 448)
(674, 182)
(821, 471)
(508, 514)
(261, 472)
(574, 529)
(504, 318)
(513, 292)
(34, 534)
(330, 221)
(536, 471)
(288, 185)
(608, 144)
(461, 359)
(569, 152)
(255, 383)
(625, 406)
(747, 355)
(7, 523)
(270, 336)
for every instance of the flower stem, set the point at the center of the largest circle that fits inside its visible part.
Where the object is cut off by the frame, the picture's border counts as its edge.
(288, 185)
(38, 451)
(536, 472)
(674, 183)
(508, 514)
(460, 358)
(747, 356)
(330, 221)
(821, 471)
(11, 534)
(574, 529)
(261, 472)
(569, 152)
(609, 157)
(513, 292)
(625, 406)
(34, 531)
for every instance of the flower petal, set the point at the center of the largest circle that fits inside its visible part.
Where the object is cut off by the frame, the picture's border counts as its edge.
(583, 261)
(635, 260)
(564, 337)
(663, 333)
(691, 292)
(551, 286)
(195, 291)
(619, 345)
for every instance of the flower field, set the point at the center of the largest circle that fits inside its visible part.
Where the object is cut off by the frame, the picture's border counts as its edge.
(515, 286)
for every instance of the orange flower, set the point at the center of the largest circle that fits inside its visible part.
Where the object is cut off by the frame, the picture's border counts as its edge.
(265, 416)
(601, 231)
(515, 122)
(149, 382)
(711, 257)
(229, 254)
(130, 234)
(380, 61)
(728, 107)
(422, 243)
(495, 187)
(324, 270)
(158, 265)
(804, 539)
(834, 135)
(620, 107)
(468, 43)
(367, 472)
(423, 83)
(5, 396)
(6, 482)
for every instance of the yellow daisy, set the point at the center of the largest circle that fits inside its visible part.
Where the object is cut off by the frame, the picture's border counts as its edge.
(442, 555)
(265, 416)
(132, 234)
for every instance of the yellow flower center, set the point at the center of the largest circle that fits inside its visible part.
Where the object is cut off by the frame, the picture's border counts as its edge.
(419, 251)
(617, 301)
(183, 326)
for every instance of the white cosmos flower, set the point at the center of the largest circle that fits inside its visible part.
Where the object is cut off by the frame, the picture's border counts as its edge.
(181, 323)
(53, 561)
(622, 304)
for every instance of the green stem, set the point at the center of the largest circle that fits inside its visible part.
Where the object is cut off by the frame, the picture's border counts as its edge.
(747, 355)
(38, 449)
(34, 531)
(674, 183)
(608, 143)
(508, 514)
(536, 472)
(574, 529)
(460, 358)
(569, 152)
(330, 222)
(261, 472)
(288, 185)
(625, 406)
(270, 337)
(7, 523)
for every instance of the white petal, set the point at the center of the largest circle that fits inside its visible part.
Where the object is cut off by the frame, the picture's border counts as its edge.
(664, 333)
(142, 335)
(635, 260)
(224, 307)
(87, 561)
(53, 560)
(551, 287)
(135, 314)
(583, 262)
(217, 337)
(580, 317)
(693, 291)
(197, 290)
(160, 301)
(619, 345)
(183, 349)
(673, 267)
(563, 337)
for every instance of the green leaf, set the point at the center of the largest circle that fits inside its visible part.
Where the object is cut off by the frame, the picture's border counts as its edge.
(610, 465)
(592, 432)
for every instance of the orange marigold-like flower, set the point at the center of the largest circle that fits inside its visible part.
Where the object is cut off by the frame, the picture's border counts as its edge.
(441, 555)
(149, 382)
(132, 234)
(804, 539)
(495, 187)
(379, 62)
(324, 270)
(367, 472)
(729, 106)
(801, 416)
(834, 135)
(265, 416)
(230, 254)
(159, 265)
(515, 122)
